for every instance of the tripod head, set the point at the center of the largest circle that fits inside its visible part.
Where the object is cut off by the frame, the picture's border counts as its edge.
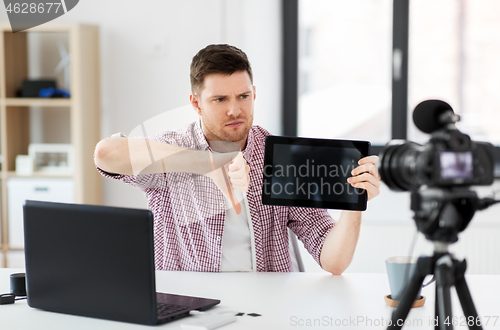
(442, 213)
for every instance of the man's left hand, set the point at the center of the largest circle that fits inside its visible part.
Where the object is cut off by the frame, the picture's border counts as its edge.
(366, 176)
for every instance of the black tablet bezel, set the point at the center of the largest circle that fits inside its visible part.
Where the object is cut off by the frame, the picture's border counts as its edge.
(362, 146)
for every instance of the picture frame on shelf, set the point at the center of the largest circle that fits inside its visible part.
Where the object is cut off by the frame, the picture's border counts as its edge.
(52, 158)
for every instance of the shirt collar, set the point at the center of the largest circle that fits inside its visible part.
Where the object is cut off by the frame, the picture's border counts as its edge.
(248, 152)
(201, 141)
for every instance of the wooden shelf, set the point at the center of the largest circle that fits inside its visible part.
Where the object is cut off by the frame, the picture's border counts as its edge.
(51, 27)
(15, 249)
(80, 123)
(12, 174)
(33, 102)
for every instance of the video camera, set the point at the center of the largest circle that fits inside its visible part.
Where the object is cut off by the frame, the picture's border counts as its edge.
(450, 158)
(439, 175)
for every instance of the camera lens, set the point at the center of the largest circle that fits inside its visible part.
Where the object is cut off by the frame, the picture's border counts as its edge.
(398, 163)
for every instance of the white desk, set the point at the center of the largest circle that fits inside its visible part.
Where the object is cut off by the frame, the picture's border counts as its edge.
(285, 301)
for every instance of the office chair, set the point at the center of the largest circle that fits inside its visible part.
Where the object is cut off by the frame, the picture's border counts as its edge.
(297, 264)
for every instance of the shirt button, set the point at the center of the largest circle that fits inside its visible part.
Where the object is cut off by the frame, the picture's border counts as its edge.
(221, 204)
(218, 238)
(215, 265)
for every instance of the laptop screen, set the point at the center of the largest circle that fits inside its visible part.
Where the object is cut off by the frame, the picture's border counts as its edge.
(90, 260)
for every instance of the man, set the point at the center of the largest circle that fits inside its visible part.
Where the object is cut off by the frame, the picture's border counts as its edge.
(201, 224)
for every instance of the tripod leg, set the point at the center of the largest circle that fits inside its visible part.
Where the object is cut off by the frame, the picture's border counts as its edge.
(465, 297)
(444, 280)
(424, 265)
(436, 308)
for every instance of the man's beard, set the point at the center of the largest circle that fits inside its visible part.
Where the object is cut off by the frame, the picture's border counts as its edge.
(218, 134)
(234, 138)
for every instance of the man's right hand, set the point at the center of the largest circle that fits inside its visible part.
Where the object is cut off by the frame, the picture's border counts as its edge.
(237, 172)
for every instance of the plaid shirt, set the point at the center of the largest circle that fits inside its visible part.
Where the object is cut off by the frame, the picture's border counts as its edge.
(189, 212)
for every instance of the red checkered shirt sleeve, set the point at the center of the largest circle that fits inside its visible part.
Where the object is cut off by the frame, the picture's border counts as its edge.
(142, 181)
(311, 227)
(146, 181)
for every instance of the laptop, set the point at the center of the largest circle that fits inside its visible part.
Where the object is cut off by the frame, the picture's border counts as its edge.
(97, 261)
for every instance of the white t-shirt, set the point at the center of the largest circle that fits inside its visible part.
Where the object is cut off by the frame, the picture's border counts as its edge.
(238, 247)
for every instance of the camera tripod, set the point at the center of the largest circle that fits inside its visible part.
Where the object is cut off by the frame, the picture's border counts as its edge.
(440, 214)
(448, 272)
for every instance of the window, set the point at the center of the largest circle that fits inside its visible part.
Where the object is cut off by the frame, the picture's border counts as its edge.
(344, 69)
(342, 78)
(454, 55)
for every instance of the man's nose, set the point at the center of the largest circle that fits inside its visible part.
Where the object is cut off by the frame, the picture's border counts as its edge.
(234, 110)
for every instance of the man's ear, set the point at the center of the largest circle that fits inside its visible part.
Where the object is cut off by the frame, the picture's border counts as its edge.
(193, 98)
(254, 95)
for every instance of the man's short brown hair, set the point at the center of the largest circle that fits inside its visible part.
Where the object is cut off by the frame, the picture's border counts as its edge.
(219, 58)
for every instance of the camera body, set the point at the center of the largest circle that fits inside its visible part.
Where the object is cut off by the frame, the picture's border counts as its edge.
(449, 159)
(459, 161)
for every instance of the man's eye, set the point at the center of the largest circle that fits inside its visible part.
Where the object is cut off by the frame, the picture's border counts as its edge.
(244, 96)
(220, 99)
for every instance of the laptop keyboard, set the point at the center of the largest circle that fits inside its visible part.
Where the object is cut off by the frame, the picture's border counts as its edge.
(167, 310)
(193, 302)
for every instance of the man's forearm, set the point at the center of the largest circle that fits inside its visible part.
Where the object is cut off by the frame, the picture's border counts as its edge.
(137, 156)
(340, 243)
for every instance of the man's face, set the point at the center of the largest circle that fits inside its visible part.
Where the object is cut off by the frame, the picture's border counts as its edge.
(225, 105)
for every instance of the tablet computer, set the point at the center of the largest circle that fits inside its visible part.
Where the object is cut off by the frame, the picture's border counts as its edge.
(312, 173)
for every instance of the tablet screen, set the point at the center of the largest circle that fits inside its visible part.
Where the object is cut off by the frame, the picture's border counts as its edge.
(312, 173)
